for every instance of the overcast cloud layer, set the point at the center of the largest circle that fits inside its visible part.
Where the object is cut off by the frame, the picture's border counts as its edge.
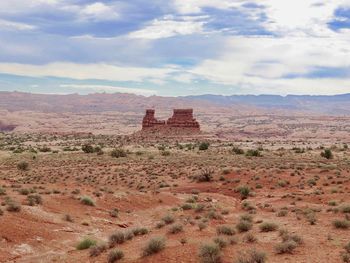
(175, 47)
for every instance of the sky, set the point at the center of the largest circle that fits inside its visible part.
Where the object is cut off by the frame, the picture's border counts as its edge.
(175, 47)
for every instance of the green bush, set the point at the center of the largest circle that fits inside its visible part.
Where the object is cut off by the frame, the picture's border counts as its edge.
(87, 201)
(87, 148)
(327, 153)
(203, 146)
(244, 191)
(86, 243)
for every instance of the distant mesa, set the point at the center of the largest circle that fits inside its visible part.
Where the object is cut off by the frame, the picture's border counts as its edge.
(6, 127)
(182, 119)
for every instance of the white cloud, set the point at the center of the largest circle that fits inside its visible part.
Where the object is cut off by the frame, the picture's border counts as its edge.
(195, 6)
(110, 89)
(99, 12)
(87, 71)
(20, 6)
(168, 27)
(9, 25)
(261, 63)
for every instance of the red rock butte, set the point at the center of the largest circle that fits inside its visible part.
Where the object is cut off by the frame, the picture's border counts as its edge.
(182, 119)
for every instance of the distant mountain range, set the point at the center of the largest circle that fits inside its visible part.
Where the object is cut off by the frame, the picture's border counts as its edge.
(327, 105)
(335, 104)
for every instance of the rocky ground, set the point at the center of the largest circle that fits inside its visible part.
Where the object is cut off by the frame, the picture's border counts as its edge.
(248, 200)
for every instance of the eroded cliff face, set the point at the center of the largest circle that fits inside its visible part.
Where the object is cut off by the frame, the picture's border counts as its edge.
(182, 119)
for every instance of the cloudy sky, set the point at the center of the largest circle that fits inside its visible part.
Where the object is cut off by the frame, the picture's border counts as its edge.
(175, 47)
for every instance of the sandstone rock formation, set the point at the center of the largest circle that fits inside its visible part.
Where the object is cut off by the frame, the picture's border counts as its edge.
(182, 119)
(150, 121)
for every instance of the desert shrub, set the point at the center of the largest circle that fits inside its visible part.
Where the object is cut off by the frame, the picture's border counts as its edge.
(237, 150)
(282, 213)
(160, 224)
(347, 247)
(246, 217)
(327, 153)
(244, 226)
(201, 226)
(23, 166)
(225, 230)
(341, 224)
(249, 238)
(13, 206)
(140, 231)
(177, 228)
(24, 191)
(118, 153)
(130, 234)
(86, 243)
(68, 218)
(310, 217)
(168, 219)
(199, 208)
(114, 212)
(345, 209)
(286, 247)
(45, 149)
(97, 249)
(345, 257)
(186, 206)
(206, 175)
(203, 146)
(2, 191)
(87, 201)
(244, 191)
(213, 215)
(165, 153)
(253, 153)
(116, 238)
(115, 256)
(268, 227)
(286, 236)
(34, 199)
(252, 256)
(154, 246)
(210, 253)
(220, 242)
(87, 148)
